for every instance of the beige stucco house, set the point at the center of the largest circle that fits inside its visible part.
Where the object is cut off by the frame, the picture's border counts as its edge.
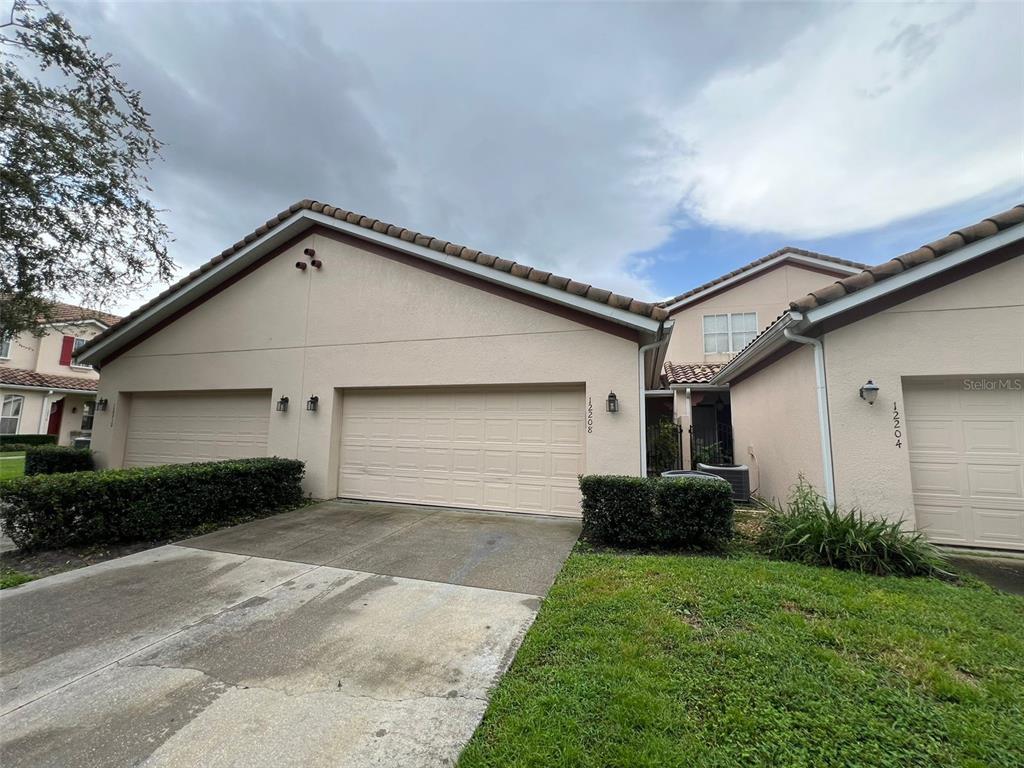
(900, 390)
(711, 323)
(43, 389)
(396, 365)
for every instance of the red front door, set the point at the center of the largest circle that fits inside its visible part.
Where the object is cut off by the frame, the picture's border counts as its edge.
(56, 413)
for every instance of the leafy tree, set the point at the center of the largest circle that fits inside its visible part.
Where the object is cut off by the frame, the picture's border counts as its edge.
(75, 144)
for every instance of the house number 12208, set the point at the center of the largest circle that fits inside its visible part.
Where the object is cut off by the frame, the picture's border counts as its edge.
(897, 425)
(590, 415)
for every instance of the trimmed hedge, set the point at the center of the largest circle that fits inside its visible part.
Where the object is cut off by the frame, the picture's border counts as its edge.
(20, 442)
(117, 505)
(656, 512)
(53, 459)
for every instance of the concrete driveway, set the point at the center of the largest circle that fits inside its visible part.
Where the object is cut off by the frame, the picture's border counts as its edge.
(344, 634)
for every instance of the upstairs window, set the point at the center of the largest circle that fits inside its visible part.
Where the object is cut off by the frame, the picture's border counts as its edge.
(726, 334)
(744, 329)
(79, 343)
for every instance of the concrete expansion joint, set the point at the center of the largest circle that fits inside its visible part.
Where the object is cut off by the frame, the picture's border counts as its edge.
(449, 696)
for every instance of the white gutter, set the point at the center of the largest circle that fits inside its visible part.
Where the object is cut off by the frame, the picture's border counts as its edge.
(641, 353)
(823, 422)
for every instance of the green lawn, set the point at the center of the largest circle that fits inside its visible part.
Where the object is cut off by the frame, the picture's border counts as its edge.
(702, 661)
(11, 465)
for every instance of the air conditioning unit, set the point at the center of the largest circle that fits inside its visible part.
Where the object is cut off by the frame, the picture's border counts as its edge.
(738, 476)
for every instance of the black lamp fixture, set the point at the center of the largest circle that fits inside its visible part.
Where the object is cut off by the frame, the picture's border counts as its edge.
(101, 404)
(282, 404)
(312, 403)
(613, 403)
(869, 392)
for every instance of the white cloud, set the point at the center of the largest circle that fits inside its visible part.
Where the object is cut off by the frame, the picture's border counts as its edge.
(872, 114)
(567, 136)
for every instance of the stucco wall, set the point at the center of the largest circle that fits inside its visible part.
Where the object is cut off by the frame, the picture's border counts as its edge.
(775, 425)
(369, 321)
(768, 295)
(974, 326)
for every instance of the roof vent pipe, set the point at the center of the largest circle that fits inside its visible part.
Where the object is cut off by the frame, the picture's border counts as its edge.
(823, 422)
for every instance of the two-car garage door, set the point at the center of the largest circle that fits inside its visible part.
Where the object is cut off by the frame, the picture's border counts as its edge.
(183, 427)
(966, 440)
(489, 448)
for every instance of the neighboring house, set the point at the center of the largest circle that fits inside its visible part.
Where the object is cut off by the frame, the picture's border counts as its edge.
(939, 332)
(397, 366)
(713, 322)
(44, 390)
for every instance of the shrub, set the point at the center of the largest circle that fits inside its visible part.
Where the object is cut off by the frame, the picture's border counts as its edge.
(147, 503)
(656, 512)
(693, 512)
(810, 531)
(618, 509)
(19, 442)
(51, 459)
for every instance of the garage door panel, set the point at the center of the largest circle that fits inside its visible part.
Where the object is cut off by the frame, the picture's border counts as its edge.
(991, 436)
(945, 523)
(506, 449)
(1003, 480)
(966, 462)
(183, 427)
(936, 477)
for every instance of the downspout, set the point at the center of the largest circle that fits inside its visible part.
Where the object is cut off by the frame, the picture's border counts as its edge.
(662, 339)
(823, 421)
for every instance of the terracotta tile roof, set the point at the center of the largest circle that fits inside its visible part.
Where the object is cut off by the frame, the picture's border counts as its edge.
(757, 263)
(946, 245)
(689, 373)
(22, 378)
(69, 313)
(647, 309)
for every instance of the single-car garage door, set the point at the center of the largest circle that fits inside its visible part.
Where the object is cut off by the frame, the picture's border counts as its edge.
(490, 448)
(182, 427)
(966, 442)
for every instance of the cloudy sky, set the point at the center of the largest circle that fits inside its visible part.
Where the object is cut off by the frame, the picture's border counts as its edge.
(643, 148)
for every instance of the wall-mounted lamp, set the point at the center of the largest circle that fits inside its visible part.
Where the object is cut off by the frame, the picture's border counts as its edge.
(101, 404)
(312, 403)
(613, 403)
(869, 392)
(282, 404)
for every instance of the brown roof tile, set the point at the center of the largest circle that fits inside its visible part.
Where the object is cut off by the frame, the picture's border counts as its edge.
(934, 250)
(69, 313)
(689, 373)
(23, 378)
(757, 263)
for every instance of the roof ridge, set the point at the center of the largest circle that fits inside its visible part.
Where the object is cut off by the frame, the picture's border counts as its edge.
(758, 262)
(954, 241)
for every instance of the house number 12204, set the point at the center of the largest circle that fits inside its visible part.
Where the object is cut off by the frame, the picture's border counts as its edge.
(897, 425)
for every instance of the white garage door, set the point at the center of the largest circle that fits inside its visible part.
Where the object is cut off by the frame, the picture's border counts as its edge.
(503, 449)
(966, 441)
(182, 427)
